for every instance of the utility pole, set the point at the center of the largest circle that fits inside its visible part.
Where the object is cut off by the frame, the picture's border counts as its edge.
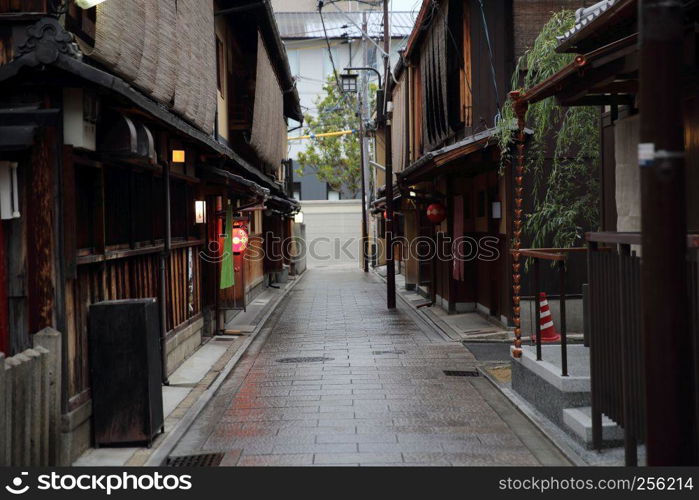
(390, 266)
(363, 96)
(670, 392)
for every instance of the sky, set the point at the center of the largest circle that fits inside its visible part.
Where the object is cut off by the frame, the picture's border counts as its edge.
(405, 5)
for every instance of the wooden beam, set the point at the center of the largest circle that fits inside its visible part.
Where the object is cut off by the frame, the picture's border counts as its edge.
(4, 312)
(600, 100)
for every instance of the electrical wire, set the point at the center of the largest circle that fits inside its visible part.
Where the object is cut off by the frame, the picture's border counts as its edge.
(327, 41)
(492, 63)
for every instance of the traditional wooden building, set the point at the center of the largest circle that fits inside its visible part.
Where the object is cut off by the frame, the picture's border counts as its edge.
(126, 132)
(447, 95)
(648, 387)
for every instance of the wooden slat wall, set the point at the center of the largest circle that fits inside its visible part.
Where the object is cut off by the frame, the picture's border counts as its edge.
(130, 278)
(254, 268)
(22, 6)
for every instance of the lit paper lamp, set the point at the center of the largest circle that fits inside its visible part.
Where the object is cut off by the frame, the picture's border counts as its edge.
(200, 212)
(178, 156)
(240, 239)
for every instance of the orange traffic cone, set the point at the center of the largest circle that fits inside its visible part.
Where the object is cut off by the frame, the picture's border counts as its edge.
(548, 331)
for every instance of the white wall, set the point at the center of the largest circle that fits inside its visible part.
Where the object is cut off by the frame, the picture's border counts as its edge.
(310, 64)
(330, 227)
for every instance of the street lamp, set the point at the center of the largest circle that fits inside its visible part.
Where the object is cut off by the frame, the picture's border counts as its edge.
(365, 235)
(349, 82)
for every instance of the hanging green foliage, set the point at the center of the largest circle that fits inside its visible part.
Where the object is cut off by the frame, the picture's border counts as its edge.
(563, 153)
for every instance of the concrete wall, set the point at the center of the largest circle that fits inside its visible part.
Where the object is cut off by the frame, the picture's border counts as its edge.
(574, 315)
(30, 408)
(183, 343)
(333, 232)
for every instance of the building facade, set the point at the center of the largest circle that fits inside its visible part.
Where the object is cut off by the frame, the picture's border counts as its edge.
(448, 93)
(313, 59)
(130, 130)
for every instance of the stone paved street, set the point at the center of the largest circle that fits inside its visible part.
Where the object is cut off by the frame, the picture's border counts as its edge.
(370, 391)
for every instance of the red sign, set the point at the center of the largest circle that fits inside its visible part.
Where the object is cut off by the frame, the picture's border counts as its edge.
(240, 239)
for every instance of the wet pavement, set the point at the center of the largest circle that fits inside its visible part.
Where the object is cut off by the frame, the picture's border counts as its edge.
(336, 379)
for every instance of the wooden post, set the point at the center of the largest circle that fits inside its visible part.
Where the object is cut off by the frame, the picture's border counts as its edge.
(4, 311)
(670, 392)
(390, 264)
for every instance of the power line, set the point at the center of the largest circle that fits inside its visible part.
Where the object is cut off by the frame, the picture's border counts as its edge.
(327, 41)
(492, 63)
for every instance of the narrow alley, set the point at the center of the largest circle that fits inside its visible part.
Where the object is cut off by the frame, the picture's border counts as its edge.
(336, 379)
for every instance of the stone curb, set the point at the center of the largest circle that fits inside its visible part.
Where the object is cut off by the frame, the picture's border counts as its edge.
(536, 421)
(161, 453)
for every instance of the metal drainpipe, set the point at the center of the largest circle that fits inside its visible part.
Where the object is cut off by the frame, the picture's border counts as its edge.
(167, 244)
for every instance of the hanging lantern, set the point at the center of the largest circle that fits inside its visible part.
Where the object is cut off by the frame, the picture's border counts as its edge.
(349, 82)
(239, 238)
(436, 213)
(199, 212)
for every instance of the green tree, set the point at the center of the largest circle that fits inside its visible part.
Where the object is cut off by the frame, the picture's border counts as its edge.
(566, 188)
(335, 160)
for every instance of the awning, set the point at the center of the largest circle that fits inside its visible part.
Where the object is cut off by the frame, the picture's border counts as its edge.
(16, 137)
(228, 176)
(284, 205)
(439, 157)
(596, 78)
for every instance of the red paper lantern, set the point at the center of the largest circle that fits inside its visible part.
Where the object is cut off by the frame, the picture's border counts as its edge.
(436, 213)
(240, 240)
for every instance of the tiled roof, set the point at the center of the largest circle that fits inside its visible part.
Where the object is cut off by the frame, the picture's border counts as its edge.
(339, 25)
(584, 16)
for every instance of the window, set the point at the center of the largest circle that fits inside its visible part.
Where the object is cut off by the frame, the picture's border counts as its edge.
(87, 182)
(117, 212)
(144, 204)
(179, 209)
(372, 57)
(293, 56)
(220, 65)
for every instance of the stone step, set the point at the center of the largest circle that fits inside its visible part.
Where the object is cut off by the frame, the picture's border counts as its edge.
(543, 386)
(578, 422)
